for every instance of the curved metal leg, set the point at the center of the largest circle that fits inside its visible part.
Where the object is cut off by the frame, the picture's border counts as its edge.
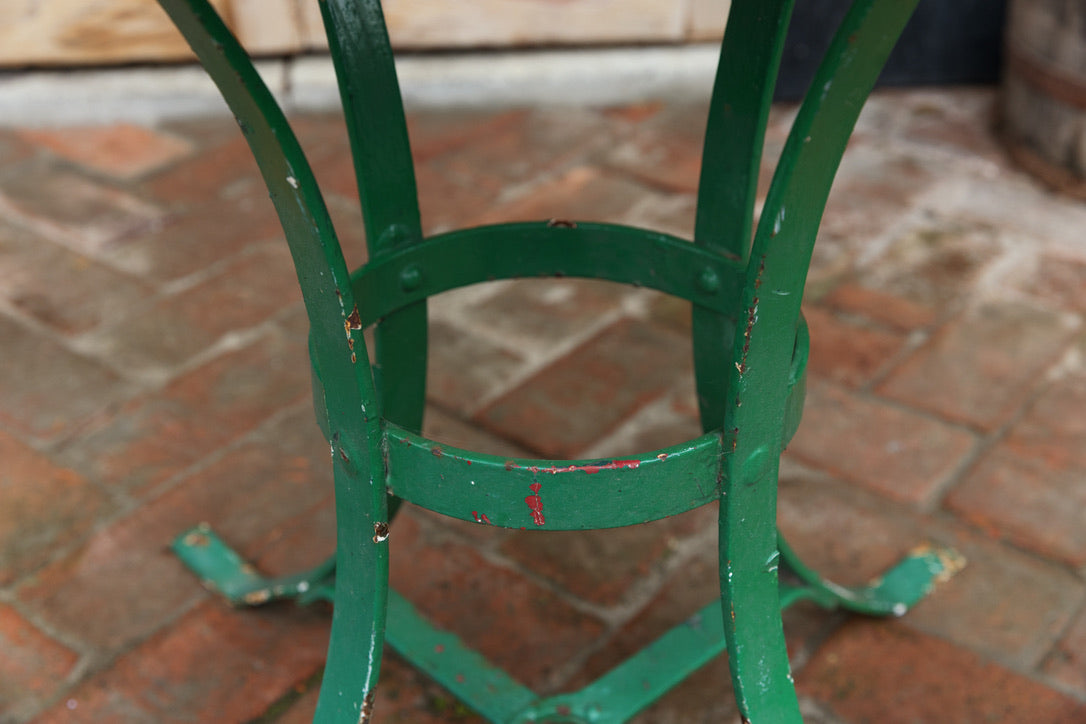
(400, 372)
(757, 656)
(222, 570)
(361, 599)
(891, 594)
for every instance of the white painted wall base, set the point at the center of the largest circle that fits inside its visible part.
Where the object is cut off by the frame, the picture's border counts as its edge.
(596, 77)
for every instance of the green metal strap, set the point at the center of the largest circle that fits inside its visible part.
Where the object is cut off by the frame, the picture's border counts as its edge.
(553, 494)
(373, 108)
(353, 419)
(731, 160)
(735, 132)
(770, 307)
(463, 671)
(534, 249)
(366, 71)
(801, 184)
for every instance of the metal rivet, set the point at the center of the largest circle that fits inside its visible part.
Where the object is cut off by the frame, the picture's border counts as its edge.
(394, 235)
(709, 280)
(411, 278)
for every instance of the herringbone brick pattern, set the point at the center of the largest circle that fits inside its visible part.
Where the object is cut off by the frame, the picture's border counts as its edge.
(153, 375)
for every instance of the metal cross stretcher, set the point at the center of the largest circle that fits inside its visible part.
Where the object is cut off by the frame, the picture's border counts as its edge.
(750, 349)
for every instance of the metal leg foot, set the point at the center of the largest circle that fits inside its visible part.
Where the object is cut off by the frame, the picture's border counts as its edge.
(891, 594)
(221, 569)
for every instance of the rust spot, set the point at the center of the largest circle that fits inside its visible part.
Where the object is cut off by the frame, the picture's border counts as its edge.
(561, 224)
(590, 469)
(563, 710)
(344, 456)
(662, 456)
(439, 649)
(380, 532)
(255, 598)
(436, 451)
(367, 708)
(535, 504)
(354, 320)
(752, 317)
(196, 539)
(509, 465)
(480, 517)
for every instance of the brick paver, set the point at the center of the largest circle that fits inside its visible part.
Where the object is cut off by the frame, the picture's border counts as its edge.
(881, 672)
(584, 395)
(1030, 487)
(84, 214)
(215, 664)
(121, 150)
(154, 375)
(518, 624)
(155, 436)
(61, 289)
(246, 493)
(34, 666)
(1067, 661)
(923, 452)
(46, 390)
(979, 369)
(46, 508)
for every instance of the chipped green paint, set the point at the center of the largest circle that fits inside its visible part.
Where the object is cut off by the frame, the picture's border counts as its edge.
(750, 345)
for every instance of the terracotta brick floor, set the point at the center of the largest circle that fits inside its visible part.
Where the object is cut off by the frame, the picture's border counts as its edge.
(153, 375)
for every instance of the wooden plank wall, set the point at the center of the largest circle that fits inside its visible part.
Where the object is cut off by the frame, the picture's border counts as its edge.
(102, 32)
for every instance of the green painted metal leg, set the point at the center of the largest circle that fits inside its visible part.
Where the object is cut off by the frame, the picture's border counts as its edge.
(401, 366)
(400, 372)
(222, 570)
(713, 337)
(891, 594)
(615, 697)
(750, 595)
(361, 595)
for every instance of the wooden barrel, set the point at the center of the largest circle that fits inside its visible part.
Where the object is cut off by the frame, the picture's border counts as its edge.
(1044, 90)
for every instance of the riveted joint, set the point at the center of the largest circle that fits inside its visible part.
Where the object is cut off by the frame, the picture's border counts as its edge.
(709, 280)
(411, 278)
(758, 466)
(395, 235)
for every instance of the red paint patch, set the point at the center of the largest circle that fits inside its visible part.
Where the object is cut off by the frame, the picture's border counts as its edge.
(535, 504)
(592, 469)
(480, 517)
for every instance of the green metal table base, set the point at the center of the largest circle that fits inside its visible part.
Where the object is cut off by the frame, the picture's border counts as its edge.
(619, 694)
(745, 283)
